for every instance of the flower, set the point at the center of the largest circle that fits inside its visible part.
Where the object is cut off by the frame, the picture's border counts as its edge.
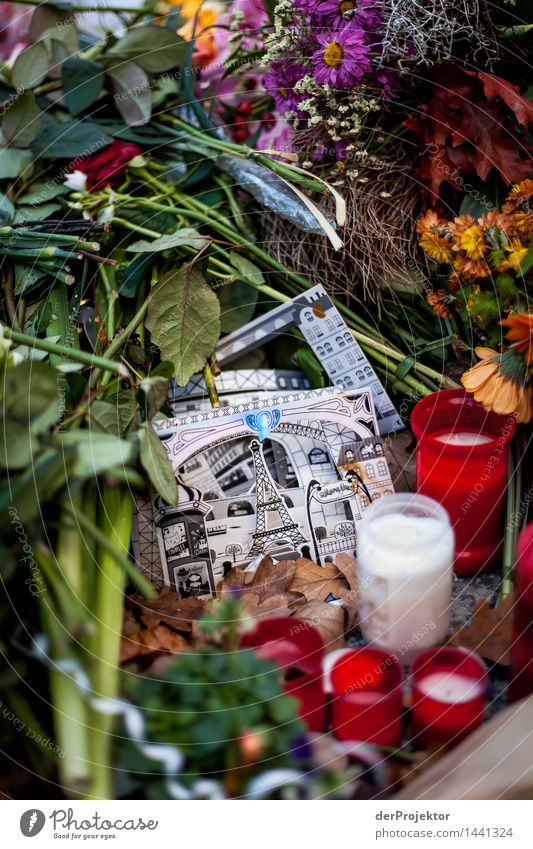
(520, 333)
(280, 84)
(516, 254)
(105, 168)
(435, 238)
(342, 59)
(366, 14)
(520, 198)
(437, 300)
(498, 382)
(472, 241)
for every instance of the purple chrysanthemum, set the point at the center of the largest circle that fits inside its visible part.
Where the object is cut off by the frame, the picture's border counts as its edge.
(342, 59)
(280, 84)
(366, 14)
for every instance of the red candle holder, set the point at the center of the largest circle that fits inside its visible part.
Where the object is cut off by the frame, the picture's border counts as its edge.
(449, 696)
(298, 649)
(367, 697)
(469, 480)
(521, 680)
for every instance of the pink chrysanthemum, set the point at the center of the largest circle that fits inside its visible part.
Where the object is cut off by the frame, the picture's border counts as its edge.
(342, 59)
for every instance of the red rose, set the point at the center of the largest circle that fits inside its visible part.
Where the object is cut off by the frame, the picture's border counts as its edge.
(106, 167)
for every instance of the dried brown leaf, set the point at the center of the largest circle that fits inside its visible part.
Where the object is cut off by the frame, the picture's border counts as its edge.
(401, 459)
(160, 640)
(316, 582)
(169, 608)
(329, 619)
(490, 631)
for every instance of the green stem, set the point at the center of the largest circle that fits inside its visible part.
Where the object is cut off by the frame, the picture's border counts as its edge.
(64, 351)
(210, 385)
(116, 509)
(58, 324)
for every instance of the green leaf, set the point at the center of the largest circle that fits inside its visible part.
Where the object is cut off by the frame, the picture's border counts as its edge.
(506, 286)
(112, 416)
(247, 270)
(66, 141)
(27, 277)
(186, 236)
(14, 162)
(96, 453)
(28, 491)
(153, 392)
(7, 210)
(310, 367)
(237, 305)
(157, 465)
(155, 49)
(184, 320)
(22, 121)
(30, 389)
(17, 445)
(82, 82)
(132, 95)
(36, 213)
(43, 191)
(484, 307)
(30, 66)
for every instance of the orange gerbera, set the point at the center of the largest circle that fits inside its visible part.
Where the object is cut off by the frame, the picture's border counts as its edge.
(498, 382)
(520, 333)
(471, 269)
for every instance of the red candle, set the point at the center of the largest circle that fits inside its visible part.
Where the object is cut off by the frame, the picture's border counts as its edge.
(461, 461)
(367, 697)
(449, 696)
(298, 649)
(521, 680)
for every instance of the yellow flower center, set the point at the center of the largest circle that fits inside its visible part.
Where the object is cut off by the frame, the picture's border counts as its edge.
(283, 91)
(333, 54)
(347, 6)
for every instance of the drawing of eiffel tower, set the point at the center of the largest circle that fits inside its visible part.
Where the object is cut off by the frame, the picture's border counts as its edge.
(270, 500)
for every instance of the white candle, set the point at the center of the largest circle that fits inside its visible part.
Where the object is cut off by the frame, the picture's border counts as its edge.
(405, 554)
(463, 438)
(449, 687)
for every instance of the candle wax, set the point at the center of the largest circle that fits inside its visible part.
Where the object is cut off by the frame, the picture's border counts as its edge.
(405, 565)
(449, 687)
(463, 438)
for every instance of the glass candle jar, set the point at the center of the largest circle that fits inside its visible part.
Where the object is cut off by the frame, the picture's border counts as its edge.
(298, 649)
(521, 676)
(449, 696)
(366, 697)
(461, 461)
(405, 553)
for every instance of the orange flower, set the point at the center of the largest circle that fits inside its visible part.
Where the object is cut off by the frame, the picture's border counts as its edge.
(516, 254)
(472, 241)
(520, 333)
(520, 198)
(437, 300)
(471, 268)
(435, 237)
(497, 382)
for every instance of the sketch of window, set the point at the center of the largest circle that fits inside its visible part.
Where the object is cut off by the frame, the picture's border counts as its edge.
(240, 508)
(340, 341)
(317, 455)
(382, 468)
(308, 315)
(369, 469)
(328, 347)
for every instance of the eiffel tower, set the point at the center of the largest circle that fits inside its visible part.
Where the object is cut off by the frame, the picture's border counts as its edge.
(270, 500)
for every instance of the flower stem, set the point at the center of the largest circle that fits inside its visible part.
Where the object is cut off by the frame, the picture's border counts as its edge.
(65, 351)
